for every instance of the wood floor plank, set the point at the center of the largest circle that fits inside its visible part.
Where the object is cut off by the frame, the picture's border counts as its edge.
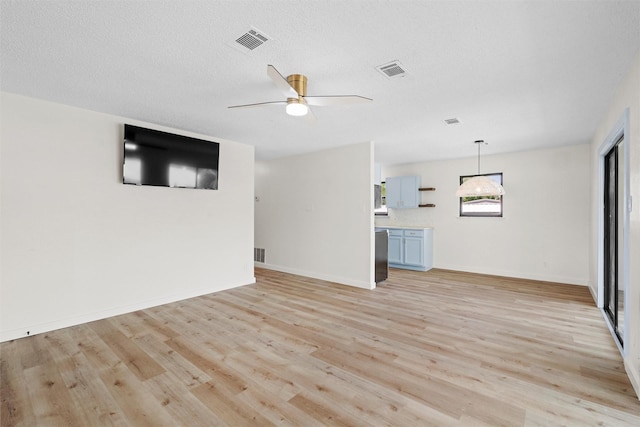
(139, 362)
(82, 383)
(134, 399)
(16, 409)
(443, 396)
(182, 370)
(84, 386)
(140, 323)
(52, 403)
(179, 401)
(210, 363)
(224, 404)
(277, 411)
(321, 411)
(438, 348)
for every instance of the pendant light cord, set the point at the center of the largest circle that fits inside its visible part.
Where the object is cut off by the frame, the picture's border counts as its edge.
(478, 143)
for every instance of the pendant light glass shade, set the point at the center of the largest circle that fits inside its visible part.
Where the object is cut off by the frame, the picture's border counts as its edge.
(480, 186)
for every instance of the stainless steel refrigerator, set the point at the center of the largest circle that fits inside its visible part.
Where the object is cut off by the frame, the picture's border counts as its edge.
(382, 252)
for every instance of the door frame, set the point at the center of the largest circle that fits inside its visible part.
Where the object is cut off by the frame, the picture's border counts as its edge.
(620, 129)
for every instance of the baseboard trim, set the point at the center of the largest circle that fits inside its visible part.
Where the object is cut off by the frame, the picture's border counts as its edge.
(633, 377)
(515, 275)
(316, 275)
(40, 328)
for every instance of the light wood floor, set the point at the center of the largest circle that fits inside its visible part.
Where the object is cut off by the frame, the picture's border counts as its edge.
(437, 348)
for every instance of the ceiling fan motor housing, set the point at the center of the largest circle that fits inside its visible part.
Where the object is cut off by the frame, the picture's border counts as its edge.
(299, 83)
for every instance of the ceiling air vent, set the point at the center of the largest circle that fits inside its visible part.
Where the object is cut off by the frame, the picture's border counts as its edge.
(250, 40)
(392, 70)
(452, 121)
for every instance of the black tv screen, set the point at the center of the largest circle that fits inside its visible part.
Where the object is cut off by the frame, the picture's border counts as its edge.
(163, 159)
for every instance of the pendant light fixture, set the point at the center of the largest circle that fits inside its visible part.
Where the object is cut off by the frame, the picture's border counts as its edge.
(479, 185)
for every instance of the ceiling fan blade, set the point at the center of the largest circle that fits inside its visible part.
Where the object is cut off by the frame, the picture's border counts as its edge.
(281, 82)
(310, 117)
(323, 101)
(259, 104)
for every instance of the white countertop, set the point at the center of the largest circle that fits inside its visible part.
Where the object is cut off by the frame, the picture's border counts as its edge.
(416, 227)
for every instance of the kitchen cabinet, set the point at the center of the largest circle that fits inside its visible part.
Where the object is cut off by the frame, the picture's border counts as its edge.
(402, 192)
(411, 248)
(395, 247)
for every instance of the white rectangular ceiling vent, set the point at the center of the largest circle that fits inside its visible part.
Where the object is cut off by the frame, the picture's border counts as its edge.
(250, 40)
(392, 70)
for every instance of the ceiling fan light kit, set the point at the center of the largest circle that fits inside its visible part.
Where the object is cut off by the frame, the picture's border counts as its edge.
(294, 88)
(479, 185)
(296, 108)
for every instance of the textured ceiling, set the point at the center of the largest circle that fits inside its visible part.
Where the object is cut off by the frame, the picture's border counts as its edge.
(520, 75)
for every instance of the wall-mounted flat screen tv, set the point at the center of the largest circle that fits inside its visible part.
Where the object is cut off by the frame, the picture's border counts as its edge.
(163, 159)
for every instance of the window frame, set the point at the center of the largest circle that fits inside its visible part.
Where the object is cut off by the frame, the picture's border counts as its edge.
(500, 214)
(382, 210)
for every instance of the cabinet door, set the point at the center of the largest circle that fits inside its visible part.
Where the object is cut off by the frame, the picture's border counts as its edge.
(402, 191)
(410, 194)
(395, 249)
(393, 186)
(413, 251)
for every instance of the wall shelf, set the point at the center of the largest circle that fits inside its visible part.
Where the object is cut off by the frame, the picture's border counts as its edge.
(427, 205)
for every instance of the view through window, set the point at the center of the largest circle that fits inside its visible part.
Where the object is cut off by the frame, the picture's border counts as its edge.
(381, 199)
(482, 205)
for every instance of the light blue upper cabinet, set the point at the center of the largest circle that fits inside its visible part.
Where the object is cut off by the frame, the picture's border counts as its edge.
(402, 192)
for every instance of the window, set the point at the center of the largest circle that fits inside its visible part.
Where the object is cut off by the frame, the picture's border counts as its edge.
(381, 196)
(482, 205)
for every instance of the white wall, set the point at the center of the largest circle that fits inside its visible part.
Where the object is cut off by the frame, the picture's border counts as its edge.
(626, 96)
(543, 234)
(314, 216)
(78, 245)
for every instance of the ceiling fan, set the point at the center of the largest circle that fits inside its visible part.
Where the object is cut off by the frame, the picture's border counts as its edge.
(294, 88)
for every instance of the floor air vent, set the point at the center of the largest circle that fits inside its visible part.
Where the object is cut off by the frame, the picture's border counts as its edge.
(258, 254)
(392, 70)
(251, 40)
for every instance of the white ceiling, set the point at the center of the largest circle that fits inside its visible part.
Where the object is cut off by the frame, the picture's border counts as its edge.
(520, 75)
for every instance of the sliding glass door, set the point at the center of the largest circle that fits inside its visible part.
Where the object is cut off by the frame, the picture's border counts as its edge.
(613, 241)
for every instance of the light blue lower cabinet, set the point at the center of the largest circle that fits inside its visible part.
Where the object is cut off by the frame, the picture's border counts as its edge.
(411, 248)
